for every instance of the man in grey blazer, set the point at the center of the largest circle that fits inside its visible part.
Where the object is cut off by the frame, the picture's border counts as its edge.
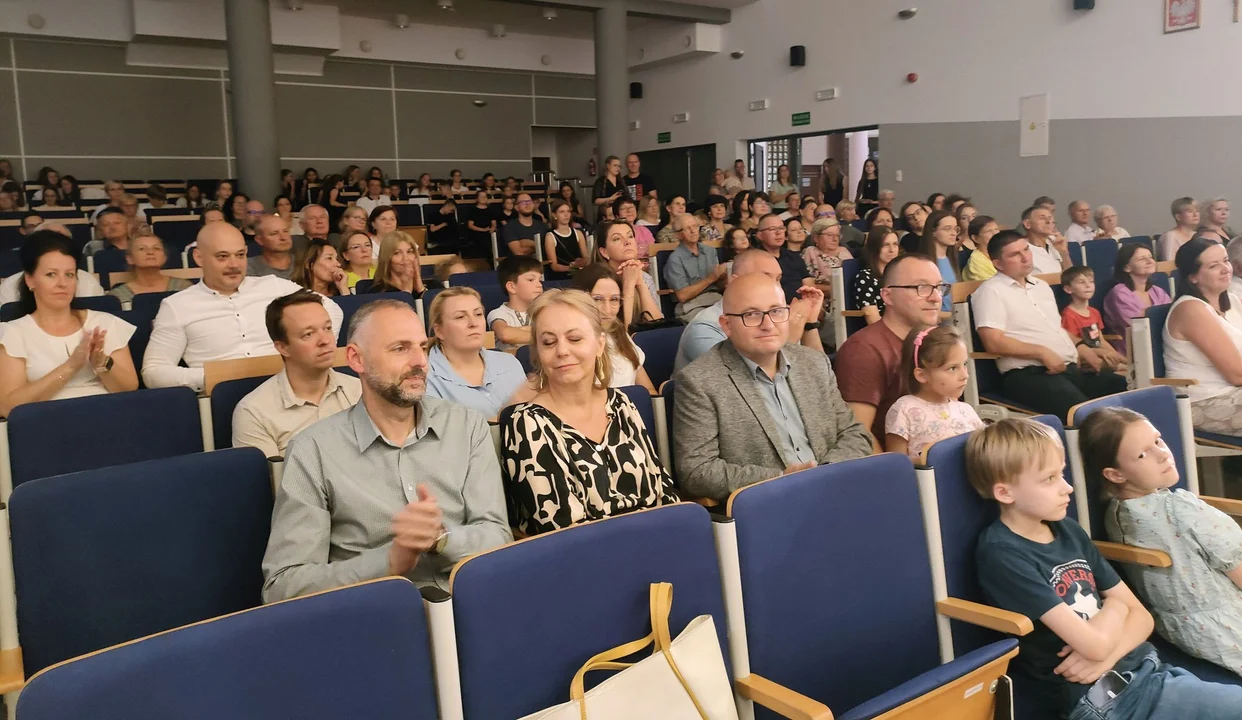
(755, 407)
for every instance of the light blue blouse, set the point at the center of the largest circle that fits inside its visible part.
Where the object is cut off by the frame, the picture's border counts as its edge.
(502, 376)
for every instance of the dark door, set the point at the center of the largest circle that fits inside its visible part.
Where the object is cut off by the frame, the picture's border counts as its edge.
(685, 171)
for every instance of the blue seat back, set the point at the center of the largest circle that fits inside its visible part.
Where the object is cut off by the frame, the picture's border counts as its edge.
(829, 592)
(349, 305)
(666, 392)
(963, 516)
(10, 262)
(363, 286)
(148, 304)
(141, 315)
(108, 261)
(1158, 316)
(987, 374)
(99, 303)
(1075, 253)
(474, 279)
(224, 399)
(106, 556)
(356, 652)
(408, 215)
(523, 356)
(555, 600)
(1159, 404)
(1139, 240)
(660, 346)
(642, 401)
(179, 233)
(1101, 256)
(63, 436)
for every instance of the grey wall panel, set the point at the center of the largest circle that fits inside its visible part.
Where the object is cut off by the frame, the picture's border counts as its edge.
(334, 122)
(104, 115)
(52, 55)
(470, 169)
(1136, 165)
(8, 120)
(353, 74)
(564, 113)
(574, 149)
(135, 169)
(564, 86)
(327, 167)
(429, 78)
(450, 126)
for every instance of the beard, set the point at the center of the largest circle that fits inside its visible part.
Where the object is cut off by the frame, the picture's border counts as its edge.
(394, 392)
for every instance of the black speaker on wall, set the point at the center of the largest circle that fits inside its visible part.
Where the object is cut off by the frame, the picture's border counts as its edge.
(797, 55)
(1084, 4)
(636, 91)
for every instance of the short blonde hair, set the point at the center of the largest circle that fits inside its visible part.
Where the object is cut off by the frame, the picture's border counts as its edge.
(388, 247)
(1002, 451)
(436, 311)
(582, 302)
(845, 205)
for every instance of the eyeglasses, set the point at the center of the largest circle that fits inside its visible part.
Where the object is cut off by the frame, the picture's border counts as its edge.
(754, 318)
(925, 291)
(610, 299)
(526, 202)
(829, 214)
(775, 228)
(910, 216)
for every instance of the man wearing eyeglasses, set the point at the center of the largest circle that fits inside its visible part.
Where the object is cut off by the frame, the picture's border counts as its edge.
(794, 273)
(1017, 317)
(755, 406)
(521, 234)
(870, 360)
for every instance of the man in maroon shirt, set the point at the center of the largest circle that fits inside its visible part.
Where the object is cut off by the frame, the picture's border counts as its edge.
(868, 365)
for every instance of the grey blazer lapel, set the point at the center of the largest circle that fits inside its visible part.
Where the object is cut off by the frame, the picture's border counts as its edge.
(809, 385)
(740, 375)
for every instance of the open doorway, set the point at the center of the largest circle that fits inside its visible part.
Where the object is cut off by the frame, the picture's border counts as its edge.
(806, 155)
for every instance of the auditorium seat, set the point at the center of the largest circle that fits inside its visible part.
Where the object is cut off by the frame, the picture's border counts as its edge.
(523, 356)
(356, 652)
(62, 436)
(99, 303)
(660, 347)
(109, 555)
(224, 399)
(474, 279)
(350, 304)
(841, 608)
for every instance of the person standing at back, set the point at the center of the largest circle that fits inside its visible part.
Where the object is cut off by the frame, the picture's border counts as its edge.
(637, 183)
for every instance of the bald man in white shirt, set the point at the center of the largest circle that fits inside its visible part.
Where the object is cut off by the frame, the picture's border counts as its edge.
(221, 318)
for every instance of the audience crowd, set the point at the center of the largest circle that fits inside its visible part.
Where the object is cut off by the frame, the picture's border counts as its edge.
(390, 467)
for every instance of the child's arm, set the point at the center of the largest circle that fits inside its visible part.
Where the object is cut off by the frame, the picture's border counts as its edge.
(895, 444)
(1216, 536)
(510, 335)
(1135, 629)
(1093, 639)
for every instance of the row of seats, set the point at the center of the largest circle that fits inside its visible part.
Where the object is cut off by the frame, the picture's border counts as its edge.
(788, 573)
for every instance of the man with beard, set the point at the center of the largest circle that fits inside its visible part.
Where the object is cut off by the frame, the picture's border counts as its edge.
(520, 235)
(399, 485)
(224, 317)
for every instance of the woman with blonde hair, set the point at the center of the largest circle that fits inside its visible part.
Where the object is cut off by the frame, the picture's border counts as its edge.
(459, 369)
(578, 450)
(604, 286)
(398, 268)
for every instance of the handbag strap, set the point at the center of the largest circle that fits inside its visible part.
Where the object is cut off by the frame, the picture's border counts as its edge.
(661, 605)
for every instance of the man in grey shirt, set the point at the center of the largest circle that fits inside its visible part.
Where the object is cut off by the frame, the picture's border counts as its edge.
(399, 485)
(272, 234)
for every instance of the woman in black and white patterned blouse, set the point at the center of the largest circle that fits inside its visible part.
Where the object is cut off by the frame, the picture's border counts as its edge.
(578, 451)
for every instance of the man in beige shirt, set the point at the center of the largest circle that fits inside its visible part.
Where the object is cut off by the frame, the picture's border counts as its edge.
(306, 390)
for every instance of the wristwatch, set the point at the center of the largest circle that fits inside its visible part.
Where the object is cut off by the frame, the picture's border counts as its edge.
(106, 367)
(440, 542)
(812, 326)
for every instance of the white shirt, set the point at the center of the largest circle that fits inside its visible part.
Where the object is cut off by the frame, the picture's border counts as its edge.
(1047, 260)
(1120, 233)
(1025, 311)
(512, 318)
(1079, 233)
(272, 414)
(11, 287)
(199, 325)
(43, 353)
(624, 373)
(1184, 359)
(369, 205)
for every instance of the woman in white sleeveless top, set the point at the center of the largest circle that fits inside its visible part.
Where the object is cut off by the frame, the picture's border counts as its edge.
(1203, 337)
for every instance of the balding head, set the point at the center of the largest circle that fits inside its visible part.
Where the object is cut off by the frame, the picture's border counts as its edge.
(221, 253)
(756, 261)
(386, 340)
(750, 302)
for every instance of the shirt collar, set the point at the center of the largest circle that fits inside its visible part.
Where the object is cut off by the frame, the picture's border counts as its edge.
(1024, 283)
(366, 433)
(291, 400)
(443, 369)
(782, 367)
(246, 283)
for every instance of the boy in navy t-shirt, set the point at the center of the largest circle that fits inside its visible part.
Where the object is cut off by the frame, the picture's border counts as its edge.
(1088, 654)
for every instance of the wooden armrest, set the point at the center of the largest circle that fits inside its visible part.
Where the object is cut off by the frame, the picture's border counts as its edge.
(1113, 337)
(986, 616)
(1133, 555)
(852, 313)
(984, 356)
(12, 676)
(781, 699)
(1228, 506)
(1175, 382)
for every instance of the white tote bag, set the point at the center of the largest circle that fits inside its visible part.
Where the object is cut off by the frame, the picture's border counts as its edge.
(683, 678)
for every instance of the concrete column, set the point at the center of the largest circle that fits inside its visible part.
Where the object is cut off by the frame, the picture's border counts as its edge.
(612, 93)
(252, 103)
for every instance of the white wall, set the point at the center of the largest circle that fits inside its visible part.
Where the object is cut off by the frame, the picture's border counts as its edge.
(543, 144)
(974, 58)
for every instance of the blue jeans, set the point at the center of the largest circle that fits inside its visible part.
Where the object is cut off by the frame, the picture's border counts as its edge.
(1164, 692)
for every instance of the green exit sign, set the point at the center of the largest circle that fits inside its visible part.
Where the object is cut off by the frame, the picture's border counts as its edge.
(802, 118)
(664, 137)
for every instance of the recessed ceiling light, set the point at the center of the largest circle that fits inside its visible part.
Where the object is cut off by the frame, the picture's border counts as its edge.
(549, 13)
(445, 5)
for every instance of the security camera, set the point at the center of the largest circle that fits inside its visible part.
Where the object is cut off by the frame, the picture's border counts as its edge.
(908, 13)
(737, 54)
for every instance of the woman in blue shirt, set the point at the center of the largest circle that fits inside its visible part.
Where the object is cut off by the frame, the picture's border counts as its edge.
(940, 243)
(459, 369)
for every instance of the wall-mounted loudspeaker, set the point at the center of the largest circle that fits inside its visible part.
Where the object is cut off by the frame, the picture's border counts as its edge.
(797, 55)
(636, 91)
(1084, 4)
